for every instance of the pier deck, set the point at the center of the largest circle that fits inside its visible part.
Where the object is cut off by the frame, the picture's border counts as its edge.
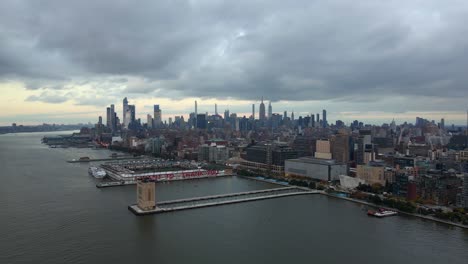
(215, 200)
(104, 159)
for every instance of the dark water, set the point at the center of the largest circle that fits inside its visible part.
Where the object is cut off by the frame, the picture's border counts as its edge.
(52, 213)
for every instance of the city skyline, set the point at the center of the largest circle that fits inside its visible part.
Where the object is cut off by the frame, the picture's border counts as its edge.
(370, 61)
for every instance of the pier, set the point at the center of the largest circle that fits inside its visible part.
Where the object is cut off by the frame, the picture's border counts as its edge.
(214, 200)
(104, 159)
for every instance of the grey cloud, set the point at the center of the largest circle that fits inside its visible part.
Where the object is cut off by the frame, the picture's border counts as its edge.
(305, 50)
(47, 98)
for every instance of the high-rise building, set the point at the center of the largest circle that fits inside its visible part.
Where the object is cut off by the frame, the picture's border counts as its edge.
(270, 110)
(196, 108)
(340, 145)
(108, 117)
(262, 116)
(113, 118)
(324, 116)
(216, 109)
(318, 120)
(124, 112)
(201, 121)
(157, 117)
(253, 111)
(226, 116)
(285, 116)
(442, 123)
(292, 116)
(323, 150)
(312, 120)
(149, 121)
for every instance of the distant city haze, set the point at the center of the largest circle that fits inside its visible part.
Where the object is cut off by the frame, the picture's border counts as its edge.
(64, 61)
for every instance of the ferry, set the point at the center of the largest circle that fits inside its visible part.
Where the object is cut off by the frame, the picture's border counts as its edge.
(96, 172)
(381, 213)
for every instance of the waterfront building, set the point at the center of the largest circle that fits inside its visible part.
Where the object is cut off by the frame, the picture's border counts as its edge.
(371, 173)
(313, 168)
(340, 145)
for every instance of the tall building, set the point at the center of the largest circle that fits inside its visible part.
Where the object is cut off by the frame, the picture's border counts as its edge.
(216, 109)
(113, 118)
(201, 121)
(442, 123)
(292, 116)
(124, 112)
(157, 118)
(285, 115)
(312, 120)
(108, 117)
(262, 116)
(324, 117)
(323, 149)
(149, 121)
(318, 120)
(253, 111)
(196, 108)
(340, 145)
(270, 110)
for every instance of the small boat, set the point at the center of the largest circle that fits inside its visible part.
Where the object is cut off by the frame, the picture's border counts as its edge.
(96, 172)
(381, 213)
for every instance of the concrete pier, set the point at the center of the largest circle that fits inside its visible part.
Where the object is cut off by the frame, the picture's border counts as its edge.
(215, 200)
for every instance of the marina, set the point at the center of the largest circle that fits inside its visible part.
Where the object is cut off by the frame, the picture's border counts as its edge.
(87, 159)
(216, 200)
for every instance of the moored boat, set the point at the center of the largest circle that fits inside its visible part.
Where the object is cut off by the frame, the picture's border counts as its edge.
(381, 212)
(96, 172)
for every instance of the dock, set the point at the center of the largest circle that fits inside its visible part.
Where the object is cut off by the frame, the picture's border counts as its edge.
(104, 159)
(216, 200)
(133, 182)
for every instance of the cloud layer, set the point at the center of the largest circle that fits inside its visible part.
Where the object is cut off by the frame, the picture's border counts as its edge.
(342, 51)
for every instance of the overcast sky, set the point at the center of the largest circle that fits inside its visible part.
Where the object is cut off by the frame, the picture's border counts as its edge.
(64, 61)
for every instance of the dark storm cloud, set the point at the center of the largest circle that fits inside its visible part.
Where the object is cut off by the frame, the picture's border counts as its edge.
(304, 50)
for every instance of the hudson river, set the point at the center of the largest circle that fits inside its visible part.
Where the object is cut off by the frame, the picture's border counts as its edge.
(51, 212)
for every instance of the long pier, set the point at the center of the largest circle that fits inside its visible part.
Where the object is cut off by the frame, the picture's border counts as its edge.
(104, 159)
(215, 200)
(106, 184)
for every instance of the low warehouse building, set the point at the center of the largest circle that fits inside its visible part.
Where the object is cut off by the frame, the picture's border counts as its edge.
(318, 169)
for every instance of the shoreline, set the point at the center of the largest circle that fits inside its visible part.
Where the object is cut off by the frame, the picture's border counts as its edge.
(431, 218)
(399, 211)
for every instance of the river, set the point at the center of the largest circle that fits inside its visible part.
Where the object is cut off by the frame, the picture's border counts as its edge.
(51, 212)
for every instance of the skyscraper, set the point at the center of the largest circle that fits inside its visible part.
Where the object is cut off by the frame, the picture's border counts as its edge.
(124, 112)
(318, 120)
(262, 116)
(270, 110)
(108, 117)
(253, 111)
(285, 115)
(157, 118)
(324, 116)
(149, 121)
(312, 120)
(113, 118)
(292, 116)
(216, 109)
(196, 108)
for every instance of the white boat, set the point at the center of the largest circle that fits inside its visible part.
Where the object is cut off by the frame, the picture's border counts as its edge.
(97, 172)
(381, 213)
